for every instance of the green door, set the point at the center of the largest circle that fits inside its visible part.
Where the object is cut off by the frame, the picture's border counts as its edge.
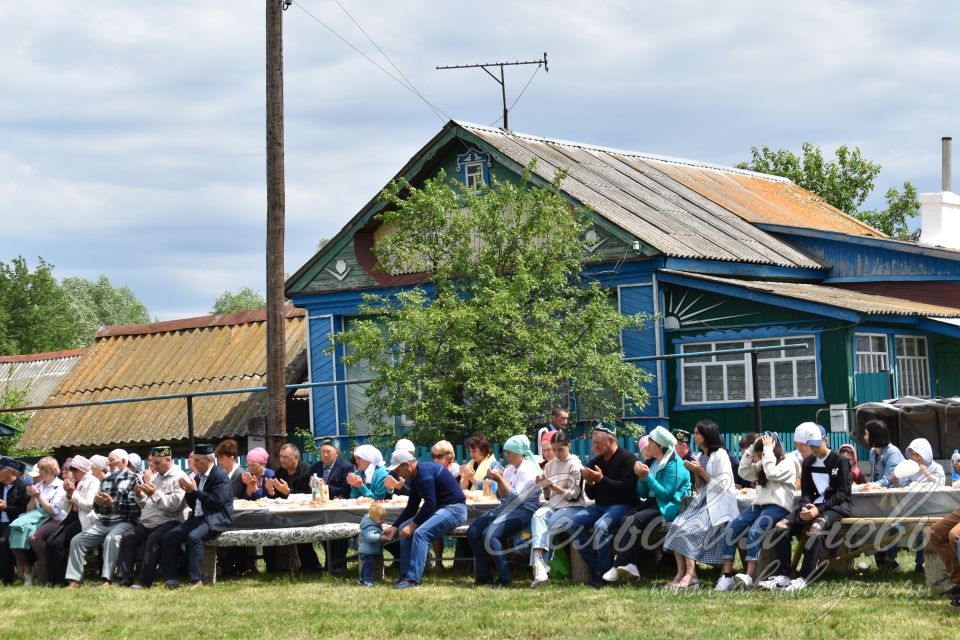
(947, 371)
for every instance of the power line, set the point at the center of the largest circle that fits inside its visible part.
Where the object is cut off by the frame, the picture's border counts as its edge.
(437, 112)
(377, 47)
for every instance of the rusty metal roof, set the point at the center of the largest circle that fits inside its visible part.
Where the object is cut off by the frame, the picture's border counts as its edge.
(865, 303)
(197, 354)
(683, 208)
(37, 373)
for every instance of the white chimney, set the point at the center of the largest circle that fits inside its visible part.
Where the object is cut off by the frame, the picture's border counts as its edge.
(940, 212)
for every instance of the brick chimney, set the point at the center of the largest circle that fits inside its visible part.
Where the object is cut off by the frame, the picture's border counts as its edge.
(940, 212)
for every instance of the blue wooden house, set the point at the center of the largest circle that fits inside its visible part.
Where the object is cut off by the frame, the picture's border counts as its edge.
(726, 258)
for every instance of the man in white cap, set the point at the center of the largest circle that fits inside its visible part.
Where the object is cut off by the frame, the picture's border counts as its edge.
(394, 483)
(805, 431)
(443, 508)
(117, 512)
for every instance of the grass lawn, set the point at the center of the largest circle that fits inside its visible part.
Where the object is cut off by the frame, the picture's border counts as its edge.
(872, 605)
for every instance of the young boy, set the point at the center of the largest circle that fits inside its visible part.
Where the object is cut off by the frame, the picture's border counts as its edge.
(824, 500)
(370, 546)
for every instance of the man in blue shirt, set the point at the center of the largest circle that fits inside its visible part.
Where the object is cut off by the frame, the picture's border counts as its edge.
(444, 508)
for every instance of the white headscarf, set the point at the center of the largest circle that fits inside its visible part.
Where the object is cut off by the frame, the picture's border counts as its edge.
(372, 455)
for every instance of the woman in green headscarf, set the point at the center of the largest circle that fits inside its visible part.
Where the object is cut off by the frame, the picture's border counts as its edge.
(519, 497)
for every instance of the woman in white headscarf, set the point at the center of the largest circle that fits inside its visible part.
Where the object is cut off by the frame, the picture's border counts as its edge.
(368, 480)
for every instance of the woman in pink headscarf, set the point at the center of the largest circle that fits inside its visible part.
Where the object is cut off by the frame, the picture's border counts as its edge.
(258, 478)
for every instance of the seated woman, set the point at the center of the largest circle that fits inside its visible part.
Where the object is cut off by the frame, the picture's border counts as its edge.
(564, 493)
(367, 480)
(443, 454)
(520, 497)
(80, 490)
(775, 476)
(482, 461)
(662, 484)
(43, 515)
(696, 535)
(884, 458)
(258, 479)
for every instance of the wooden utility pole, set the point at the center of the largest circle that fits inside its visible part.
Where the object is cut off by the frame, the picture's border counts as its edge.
(276, 205)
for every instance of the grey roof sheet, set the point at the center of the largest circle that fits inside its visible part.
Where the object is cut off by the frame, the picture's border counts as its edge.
(39, 373)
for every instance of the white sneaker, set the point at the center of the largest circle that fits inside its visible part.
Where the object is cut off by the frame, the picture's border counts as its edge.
(629, 572)
(774, 583)
(540, 574)
(611, 575)
(743, 581)
(28, 579)
(797, 584)
(725, 583)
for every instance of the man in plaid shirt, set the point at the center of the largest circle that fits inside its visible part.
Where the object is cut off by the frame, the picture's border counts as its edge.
(117, 512)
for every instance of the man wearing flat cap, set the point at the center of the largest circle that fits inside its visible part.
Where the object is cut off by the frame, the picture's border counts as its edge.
(13, 502)
(209, 495)
(161, 500)
(333, 470)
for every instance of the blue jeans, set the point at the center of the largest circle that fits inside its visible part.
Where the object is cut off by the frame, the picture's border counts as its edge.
(546, 523)
(484, 536)
(759, 520)
(367, 561)
(413, 550)
(598, 551)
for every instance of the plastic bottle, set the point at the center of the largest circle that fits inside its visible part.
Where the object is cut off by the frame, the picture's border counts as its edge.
(955, 462)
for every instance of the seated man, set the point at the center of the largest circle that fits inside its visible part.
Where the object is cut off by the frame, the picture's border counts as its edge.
(611, 483)
(13, 502)
(293, 476)
(209, 495)
(117, 511)
(161, 500)
(444, 507)
(333, 470)
(945, 539)
(824, 501)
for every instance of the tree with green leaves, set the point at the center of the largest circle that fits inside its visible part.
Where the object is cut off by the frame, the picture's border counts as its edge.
(506, 321)
(100, 304)
(245, 299)
(845, 183)
(38, 313)
(12, 397)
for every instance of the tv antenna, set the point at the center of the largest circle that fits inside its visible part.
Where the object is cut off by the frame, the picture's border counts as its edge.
(501, 80)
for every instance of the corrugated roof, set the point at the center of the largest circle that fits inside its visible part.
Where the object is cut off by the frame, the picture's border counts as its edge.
(683, 208)
(38, 373)
(182, 356)
(860, 302)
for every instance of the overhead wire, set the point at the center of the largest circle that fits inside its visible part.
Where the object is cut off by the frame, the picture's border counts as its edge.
(409, 87)
(510, 108)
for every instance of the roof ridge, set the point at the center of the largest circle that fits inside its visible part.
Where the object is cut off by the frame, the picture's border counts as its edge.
(50, 355)
(160, 383)
(198, 322)
(626, 152)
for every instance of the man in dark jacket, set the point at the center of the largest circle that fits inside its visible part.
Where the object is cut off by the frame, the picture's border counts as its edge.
(13, 502)
(209, 494)
(824, 501)
(333, 470)
(611, 483)
(293, 476)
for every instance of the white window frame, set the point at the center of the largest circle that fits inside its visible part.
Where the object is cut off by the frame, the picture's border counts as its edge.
(877, 361)
(745, 362)
(913, 372)
(473, 174)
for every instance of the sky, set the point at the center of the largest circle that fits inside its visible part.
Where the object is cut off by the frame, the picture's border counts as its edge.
(132, 134)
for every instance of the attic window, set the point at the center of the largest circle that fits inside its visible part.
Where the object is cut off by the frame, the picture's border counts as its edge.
(474, 168)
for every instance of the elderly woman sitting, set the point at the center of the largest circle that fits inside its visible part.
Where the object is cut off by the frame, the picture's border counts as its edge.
(520, 496)
(80, 488)
(43, 515)
(443, 454)
(368, 480)
(258, 479)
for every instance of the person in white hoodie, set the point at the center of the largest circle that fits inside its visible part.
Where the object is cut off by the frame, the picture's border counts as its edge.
(930, 473)
(775, 476)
